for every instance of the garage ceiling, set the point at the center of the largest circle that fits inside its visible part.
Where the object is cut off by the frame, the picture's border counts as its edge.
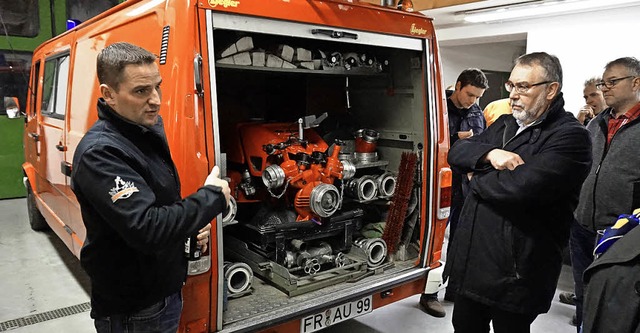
(444, 12)
(420, 5)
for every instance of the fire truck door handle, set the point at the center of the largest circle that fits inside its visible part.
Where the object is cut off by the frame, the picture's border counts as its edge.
(334, 33)
(197, 72)
(34, 136)
(65, 168)
(61, 147)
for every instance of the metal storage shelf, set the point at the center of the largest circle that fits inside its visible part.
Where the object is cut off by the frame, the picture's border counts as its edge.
(339, 71)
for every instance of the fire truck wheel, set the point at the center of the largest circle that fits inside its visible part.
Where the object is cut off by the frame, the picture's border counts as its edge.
(36, 220)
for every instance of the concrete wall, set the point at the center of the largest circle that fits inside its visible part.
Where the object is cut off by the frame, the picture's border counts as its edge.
(583, 42)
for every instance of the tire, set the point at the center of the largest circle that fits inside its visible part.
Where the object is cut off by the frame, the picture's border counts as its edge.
(36, 220)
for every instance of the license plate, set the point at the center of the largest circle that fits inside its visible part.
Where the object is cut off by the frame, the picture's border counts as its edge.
(335, 315)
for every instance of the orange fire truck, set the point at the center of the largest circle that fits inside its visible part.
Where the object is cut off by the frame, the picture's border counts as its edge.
(328, 120)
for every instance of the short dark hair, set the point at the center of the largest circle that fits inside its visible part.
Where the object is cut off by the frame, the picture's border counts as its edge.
(630, 63)
(474, 77)
(114, 58)
(550, 64)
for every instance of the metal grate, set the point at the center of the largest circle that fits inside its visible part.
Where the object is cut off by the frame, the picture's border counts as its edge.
(164, 45)
(40, 317)
(268, 303)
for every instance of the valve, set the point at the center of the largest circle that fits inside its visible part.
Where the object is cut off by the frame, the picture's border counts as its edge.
(246, 185)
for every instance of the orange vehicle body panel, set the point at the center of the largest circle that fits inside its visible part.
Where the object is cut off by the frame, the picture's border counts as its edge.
(187, 116)
(352, 15)
(380, 299)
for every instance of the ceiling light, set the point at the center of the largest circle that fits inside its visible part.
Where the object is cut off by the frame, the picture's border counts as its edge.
(539, 8)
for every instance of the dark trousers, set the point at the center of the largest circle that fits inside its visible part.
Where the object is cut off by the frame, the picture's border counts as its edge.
(161, 317)
(470, 316)
(581, 244)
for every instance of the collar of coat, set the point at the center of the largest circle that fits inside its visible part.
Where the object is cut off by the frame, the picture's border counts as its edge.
(105, 112)
(602, 120)
(554, 111)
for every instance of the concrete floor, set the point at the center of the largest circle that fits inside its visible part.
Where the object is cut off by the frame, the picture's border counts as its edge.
(42, 282)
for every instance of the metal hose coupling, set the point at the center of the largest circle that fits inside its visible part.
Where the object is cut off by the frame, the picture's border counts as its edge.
(363, 188)
(273, 176)
(238, 277)
(324, 200)
(386, 185)
(229, 213)
(348, 169)
(310, 259)
(373, 250)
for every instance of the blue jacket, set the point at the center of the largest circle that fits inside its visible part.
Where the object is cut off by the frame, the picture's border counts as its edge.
(507, 250)
(462, 120)
(129, 195)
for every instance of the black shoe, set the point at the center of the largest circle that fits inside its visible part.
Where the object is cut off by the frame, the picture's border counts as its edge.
(574, 320)
(567, 298)
(431, 305)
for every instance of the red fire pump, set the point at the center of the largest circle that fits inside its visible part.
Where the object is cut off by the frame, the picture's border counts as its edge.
(286, 160)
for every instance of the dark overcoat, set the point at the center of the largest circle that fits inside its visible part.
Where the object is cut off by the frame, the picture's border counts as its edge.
(612, 284)
(507, 251)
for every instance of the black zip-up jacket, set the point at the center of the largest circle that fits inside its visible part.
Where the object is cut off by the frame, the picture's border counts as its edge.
(136, 220)
(613, 184)
(507, 250)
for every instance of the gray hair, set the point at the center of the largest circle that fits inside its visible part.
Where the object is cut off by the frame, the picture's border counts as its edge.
(550, 63)
(630, 63)
(114, 58)
(592, 81)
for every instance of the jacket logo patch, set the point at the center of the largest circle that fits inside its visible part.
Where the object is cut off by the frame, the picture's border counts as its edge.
(122, 190)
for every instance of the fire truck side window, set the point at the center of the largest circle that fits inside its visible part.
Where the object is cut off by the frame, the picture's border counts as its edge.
(54, 87)
(34, 88)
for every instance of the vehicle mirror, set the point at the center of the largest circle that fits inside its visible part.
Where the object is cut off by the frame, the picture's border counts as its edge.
(12, 107)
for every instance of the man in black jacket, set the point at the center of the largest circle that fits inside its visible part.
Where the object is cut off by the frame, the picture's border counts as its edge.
(525, 176)
(129, 194)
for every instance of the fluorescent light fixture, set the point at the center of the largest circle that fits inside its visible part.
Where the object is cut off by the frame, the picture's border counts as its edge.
(539, 8)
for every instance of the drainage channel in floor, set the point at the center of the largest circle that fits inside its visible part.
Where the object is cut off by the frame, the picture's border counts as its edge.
(45, 316)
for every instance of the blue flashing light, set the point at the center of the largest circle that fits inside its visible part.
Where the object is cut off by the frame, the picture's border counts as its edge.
(71, 23)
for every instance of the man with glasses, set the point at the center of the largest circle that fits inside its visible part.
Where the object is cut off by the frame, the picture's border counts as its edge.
(525, 174)
(613, 185)
(581, 240)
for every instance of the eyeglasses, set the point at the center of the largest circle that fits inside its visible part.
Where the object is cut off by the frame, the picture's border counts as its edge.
(522, 87)
(610, 83)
